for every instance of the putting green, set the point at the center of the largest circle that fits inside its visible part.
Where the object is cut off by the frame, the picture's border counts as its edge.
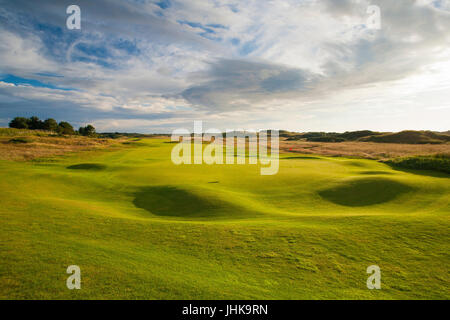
(139, 226)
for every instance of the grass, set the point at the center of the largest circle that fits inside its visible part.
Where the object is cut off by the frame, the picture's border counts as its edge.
(87, 166)
(438, 162)
(24, 145)
(12, 132)
(344, 193)
(367, 150)
(403, 137)
(140, 227)
(20, 140)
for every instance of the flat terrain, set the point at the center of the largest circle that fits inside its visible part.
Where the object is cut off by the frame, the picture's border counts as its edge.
(140, 227)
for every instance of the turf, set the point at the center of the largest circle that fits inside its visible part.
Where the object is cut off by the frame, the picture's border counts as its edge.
(140, 227)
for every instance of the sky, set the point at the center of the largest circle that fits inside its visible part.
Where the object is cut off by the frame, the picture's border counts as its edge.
(300, 65)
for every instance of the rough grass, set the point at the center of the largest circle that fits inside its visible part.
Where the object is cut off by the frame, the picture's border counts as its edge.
(20, 140)
(438, 162)
(404, 137)
(9, 132)
(34, 144)
(367, 150)
(143, 228)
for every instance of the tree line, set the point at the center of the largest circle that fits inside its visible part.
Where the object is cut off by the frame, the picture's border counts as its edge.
(34, 123)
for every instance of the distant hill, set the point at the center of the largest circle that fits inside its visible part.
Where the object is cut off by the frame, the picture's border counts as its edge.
(403, 137)
(355, 135)
(410, 137)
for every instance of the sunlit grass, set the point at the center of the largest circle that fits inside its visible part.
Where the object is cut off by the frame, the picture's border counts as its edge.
(140, 227)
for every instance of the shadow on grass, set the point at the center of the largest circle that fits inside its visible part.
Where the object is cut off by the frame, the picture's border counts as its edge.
(175, 202)
(374, 173)
(302, 158)
(364, 192)
(20, 140)
(429, 173)
(88, 166)
(134, 143)
(352, 163)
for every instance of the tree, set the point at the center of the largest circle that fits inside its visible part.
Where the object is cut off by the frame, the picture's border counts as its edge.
(89, 130)
(50, 125)
(65, 128)
(19, 123)
(35, 124)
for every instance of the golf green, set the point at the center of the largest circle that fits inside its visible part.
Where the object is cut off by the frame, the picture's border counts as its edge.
(140, 227)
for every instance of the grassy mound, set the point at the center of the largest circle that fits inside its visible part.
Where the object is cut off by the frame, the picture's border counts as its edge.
(410, 137)
(301, 158)
(87, 166)
(176, 202)
(440, 162)
(326, 139)
(374, 173)
(364, 192)
(356, 135)
(404, 137)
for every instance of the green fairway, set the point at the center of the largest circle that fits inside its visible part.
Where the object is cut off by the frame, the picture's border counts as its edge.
(140, 227)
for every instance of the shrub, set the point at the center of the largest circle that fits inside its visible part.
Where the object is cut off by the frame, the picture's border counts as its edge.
(65, 128)
(19, 123)
(89, 130)
(35, 124)
(20, 140)
(50, 125)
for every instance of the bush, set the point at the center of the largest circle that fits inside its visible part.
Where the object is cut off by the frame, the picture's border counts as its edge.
(35, 124)
(89, 130)
(20, 140)
(50, 125)
(65, 128)
(19, 123)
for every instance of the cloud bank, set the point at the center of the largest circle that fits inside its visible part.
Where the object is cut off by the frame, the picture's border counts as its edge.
(152, 66)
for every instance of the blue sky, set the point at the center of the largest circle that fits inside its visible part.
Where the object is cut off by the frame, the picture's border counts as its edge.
(155, 66)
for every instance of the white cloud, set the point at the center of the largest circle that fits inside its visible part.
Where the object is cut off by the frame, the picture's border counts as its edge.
(238, 62)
